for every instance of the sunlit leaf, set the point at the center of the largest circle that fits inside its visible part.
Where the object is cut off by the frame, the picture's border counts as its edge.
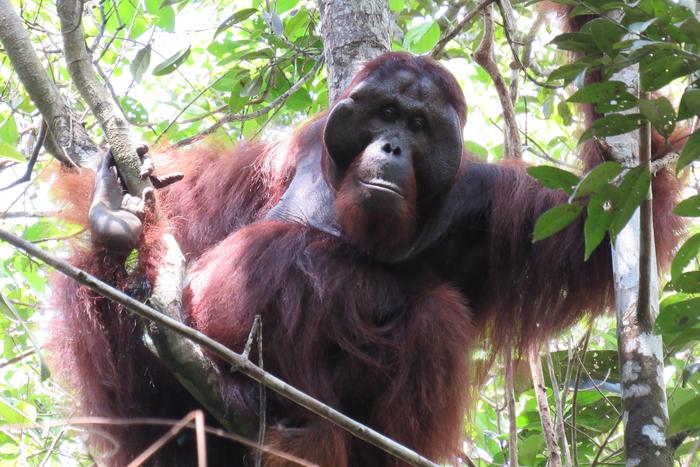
(575, 42)
(686, 417)
(687, 282)
(686, 253)
(554, 177)
(599, 216)
(605, 34)
(608, 96)
(689, 207)
(140, 63)
(9, 152)
(555, 220)
(171, 64)
(597, 178)
(690, 152)
(660, 114)
(690, 104)
(420, 39)
(678, 314)
(661, 68)
(633, 190)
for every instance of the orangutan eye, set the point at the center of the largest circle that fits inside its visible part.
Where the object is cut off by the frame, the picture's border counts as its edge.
(417, 123)
(390, 112)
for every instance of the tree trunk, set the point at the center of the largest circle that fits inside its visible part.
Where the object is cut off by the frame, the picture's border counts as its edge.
(353, 33)
(645, 413)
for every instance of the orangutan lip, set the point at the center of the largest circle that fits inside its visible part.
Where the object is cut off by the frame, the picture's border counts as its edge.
(384, 185)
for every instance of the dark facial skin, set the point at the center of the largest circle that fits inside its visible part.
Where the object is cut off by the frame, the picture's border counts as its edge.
(403, 129)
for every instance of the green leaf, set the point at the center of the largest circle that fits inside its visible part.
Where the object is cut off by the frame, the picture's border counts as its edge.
(236, 101)
(605, 34)
(135, 112)
(296, 25)
(689, 207)
(228, 80)
(282, 6)
(687, 282)
(660, 114)
(686, 253)
(565, 112)
(166, 19)
(9, 152)
(41, 230)
(235, 18)
(275, 23)
(8, 131)
(633, 190)
(639, 27)
(140, 63)
(8, 309)
(529, 448)
(613, 124)
(554, 177)
(598, 220)
(167, 3)
(690, 104)
(661, 68)
(171, 64)
(690, 152)
(675, 315)
(608, 96)
(686, 417)
(300, 100)
(567, 72)
(575, 42)
(397, 5)
(556, 219)
(253, 87)
(422, 38)
(476, 149)
(11, 414)
(597, 178)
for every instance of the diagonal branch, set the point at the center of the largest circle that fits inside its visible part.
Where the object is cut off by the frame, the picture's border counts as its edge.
(237, 360)
(543, 407)
(95, 93)
(485, 58)
(437, 50)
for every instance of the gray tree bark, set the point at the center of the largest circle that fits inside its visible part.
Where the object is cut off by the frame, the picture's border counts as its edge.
(68, 141)
(353, 32)
(99, 100)
(645, 415)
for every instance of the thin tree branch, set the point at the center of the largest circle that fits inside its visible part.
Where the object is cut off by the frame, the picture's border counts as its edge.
(170, 434)
(526, 55)
(241, 363)
(485, 58)
(29, 215)
(450, 14)
(437, 50)
(543, 407)
(111, 120)
(574, 398)
(160, 422)
(510, 403)
(561, 431)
